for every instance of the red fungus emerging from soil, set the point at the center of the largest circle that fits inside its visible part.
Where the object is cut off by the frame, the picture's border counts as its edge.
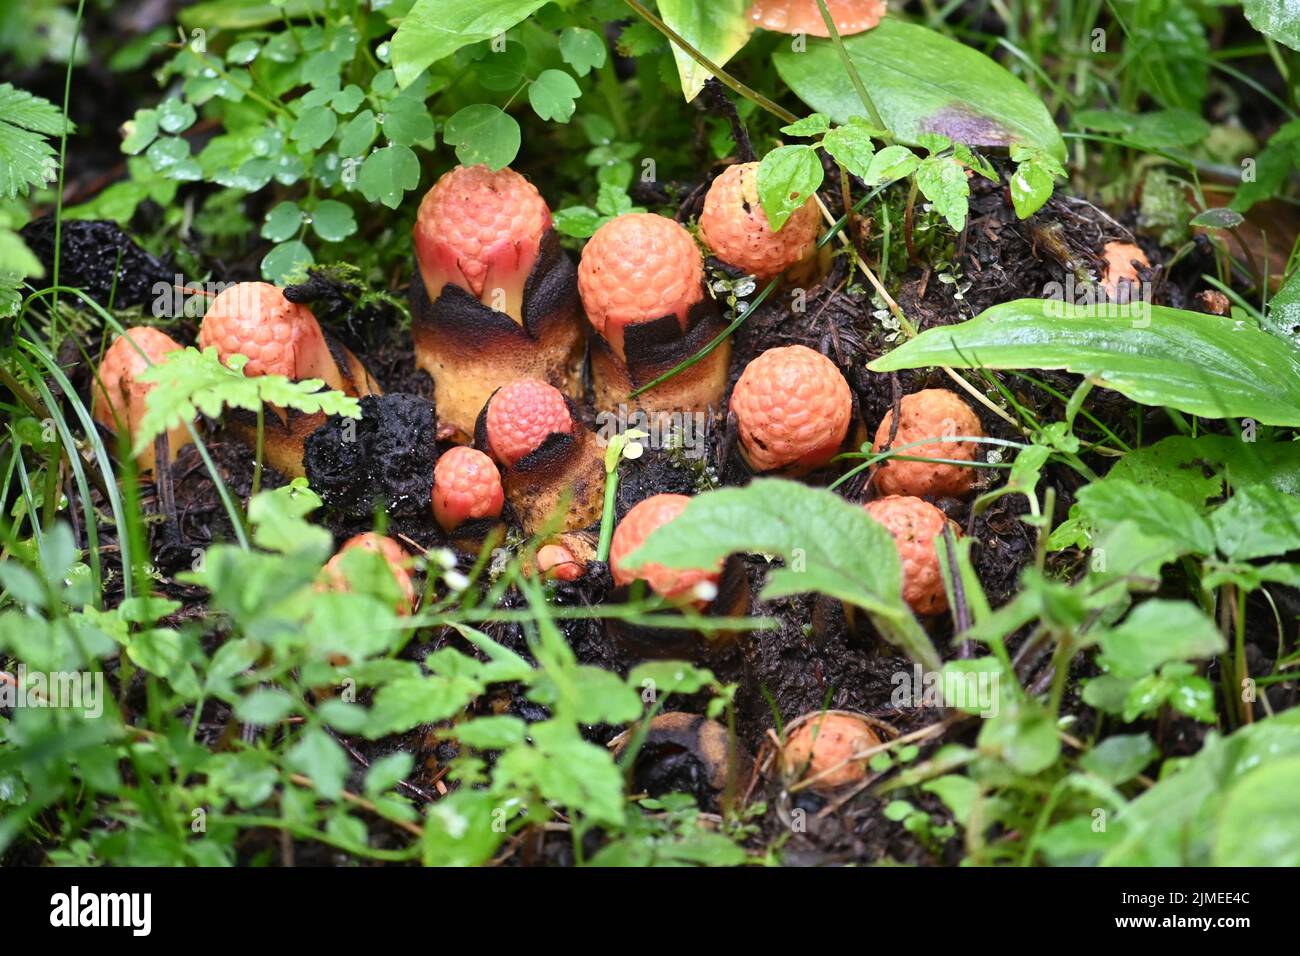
(466, 486)
(119, 400)
(1120, 269)
(914, 524)
(644, 518)
(558, 562)
(279, 337)
(735, 228)
(390, 550)
(637, 268)
(792, 407)
(481, 230)
(521, 415)
(804, 16)
(825, 741)
(929, 413)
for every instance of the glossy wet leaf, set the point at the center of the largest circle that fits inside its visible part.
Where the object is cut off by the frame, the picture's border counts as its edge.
(787, 178)
(434, 29)
(483, 134)
(1204, 365)
(921, 81)
(718, 29)
(388, 174)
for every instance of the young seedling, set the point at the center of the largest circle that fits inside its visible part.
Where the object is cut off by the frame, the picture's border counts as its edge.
(398, 561)
(481, 230)
(821, 749)
(698, 586)
(466, 486)
(119, 400)
(805, 16)
(735, 227)
(792, 409)
(498, 299)
(930, 413)
(914, 525)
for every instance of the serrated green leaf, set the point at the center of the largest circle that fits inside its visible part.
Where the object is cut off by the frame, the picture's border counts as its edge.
(942, 180)
(787, 178)
(1155, 633)
(890, 164)
(851, 147)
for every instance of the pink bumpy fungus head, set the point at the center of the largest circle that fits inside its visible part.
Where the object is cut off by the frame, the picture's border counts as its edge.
(466, 486)
(521, 415)
(914, 524)
(120, 399)
(827, 744)
(735, 227)
(929, 413)
(279, 337)
(644, 518)
(637, 268)
(805, 16)
(792, 407)
(481, 230)
(392, 553)
(556, 562)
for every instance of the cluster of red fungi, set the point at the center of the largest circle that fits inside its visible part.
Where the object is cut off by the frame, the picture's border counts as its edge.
(482, 232)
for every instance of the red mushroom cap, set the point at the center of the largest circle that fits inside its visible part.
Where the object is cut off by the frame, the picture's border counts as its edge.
(521, 415)
(914, 525)
(792, 407)
(481, 230)
(637, 268)
(119, 398)
(644, 518)
(929, 413)
(279, 337)
(735, 228)
(390, 550)
(805, 16)
(466, 485)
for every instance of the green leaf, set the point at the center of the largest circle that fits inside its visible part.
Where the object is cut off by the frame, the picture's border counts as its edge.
(829, 545)
(1258, 825)
(358, 134)
(1111, 501)
(491, 733)
(1155, 633)
(264, 707)
(669, 677)
(890, 164)
(483, 134)
(434, 29)
(141, 130)
(850, 145)
(30, 112)
(577, 221)
(407, 121)
(388, 174)
(1120, 758)
(320, 758)
(787, 178)
(1277, 19)
(286, 261)
(814, 124)
(1257, 522)
(188, 381)
(409, 702)
(718, 29)
(1219, 217)
(942, 180)
(1283, 318)
(1201, 364)
(461, 829)
(282, 221)
(175, 115)
(1031, 186)
(921, 81)
(314, 127)
(332, 220)
(552, 95)
(582, 49)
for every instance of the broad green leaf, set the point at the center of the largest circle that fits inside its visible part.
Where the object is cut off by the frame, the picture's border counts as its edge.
(921, 81)
(461, 829)
(407, 121)
(282, 221)
(1258, 825)
(582, 49)
(286, 261)
(242, 14)
(1109, 502)
(333, 220)
(942, 180)
(890, 164)
(410, 702)
(829, 545)
(434, 29)
(1278, 19)
(387, 175)
(718, 29)
(483, 133)
(1120, 758)
(787, 178)
(814, 124)
(552, 95)
(1201, 364)
(1283, 317)
(1155, 633)
(264, 707)
(1257, 522)
(318, 756)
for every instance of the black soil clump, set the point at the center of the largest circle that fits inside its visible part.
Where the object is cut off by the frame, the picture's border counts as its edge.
(98, 257)
(384, 460)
